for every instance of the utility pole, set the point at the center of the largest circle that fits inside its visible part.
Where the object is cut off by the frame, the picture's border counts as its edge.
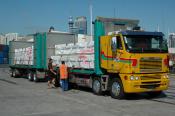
(158, 30)
(91, 18)
(114, 13)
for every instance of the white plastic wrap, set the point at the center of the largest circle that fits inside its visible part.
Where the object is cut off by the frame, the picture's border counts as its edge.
(79, 55)
(24, 56)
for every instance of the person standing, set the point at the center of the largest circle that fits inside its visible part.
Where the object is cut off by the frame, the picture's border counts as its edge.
(64, 76)
(51, 74)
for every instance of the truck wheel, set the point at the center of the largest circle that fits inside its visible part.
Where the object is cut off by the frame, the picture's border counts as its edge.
(29, 76)
(116, 90)
(14, 73)
(11, 73)
(96, 86)
(154, 93)
(35, 79)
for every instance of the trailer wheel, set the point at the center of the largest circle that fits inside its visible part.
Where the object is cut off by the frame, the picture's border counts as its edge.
(35, 79)
(14, 73)
(29, 76)
(116, 89)
(11, 73)
(96, 86)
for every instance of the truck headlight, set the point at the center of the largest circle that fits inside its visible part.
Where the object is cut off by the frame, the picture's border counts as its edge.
(137, 78)
(132, 78)
(165, 76)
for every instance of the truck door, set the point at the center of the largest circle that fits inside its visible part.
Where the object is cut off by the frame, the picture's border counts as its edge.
(117, 51)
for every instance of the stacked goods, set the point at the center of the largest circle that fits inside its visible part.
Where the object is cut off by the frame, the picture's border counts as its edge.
(171, 50)
(24, 56)
(79, 55)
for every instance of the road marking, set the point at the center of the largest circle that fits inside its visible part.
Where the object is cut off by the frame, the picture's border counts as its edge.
(40, 113)
(165, 102)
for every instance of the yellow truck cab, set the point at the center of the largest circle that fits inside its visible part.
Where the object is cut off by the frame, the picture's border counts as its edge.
(139, 59)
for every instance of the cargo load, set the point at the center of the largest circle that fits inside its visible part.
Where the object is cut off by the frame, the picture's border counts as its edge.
(78, 55)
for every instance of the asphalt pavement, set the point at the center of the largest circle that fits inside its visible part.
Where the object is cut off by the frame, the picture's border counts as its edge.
(19, 97)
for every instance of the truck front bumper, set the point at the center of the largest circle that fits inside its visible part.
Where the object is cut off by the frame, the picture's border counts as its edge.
(136, 83)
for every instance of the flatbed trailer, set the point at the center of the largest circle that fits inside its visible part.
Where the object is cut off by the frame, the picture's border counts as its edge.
(31, 58)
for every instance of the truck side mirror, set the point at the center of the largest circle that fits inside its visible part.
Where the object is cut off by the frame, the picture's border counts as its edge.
(114, 44)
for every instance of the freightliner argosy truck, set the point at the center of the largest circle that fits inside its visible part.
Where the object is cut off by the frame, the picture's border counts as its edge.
(126, 61)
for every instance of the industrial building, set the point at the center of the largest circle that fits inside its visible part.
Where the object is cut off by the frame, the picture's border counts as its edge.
(171, 43)
(6, 38)
(79, 26)
(4, 45)
(71, 24)
(2, 39)
(171, 49)
(120, 24)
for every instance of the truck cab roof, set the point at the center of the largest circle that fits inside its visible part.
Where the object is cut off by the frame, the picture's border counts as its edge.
(132, 32)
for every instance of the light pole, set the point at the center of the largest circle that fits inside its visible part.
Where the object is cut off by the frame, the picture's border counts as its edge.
(91, 18)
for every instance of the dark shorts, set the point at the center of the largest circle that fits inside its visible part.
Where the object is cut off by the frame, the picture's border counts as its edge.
(50, 77)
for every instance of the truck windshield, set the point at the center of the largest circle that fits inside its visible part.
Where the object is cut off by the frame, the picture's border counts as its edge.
(145, 44)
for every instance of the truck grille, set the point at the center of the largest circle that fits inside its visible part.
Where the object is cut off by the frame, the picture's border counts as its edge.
(150, 64)
(150, 85)
(156, 77)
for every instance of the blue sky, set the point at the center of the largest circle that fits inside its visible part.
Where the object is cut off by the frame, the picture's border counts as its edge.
(29, 16)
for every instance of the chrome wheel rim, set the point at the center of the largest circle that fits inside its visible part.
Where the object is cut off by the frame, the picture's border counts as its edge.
(96, 86)
(29, 76)
(116, 88)
(14, 73)
(34, 77)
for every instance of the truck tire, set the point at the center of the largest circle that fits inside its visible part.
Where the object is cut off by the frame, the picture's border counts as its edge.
(35, 79)
(154, 93)
(116, 89)
(96, 86)
(14, 73)
(11, 73)
(30, 76)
